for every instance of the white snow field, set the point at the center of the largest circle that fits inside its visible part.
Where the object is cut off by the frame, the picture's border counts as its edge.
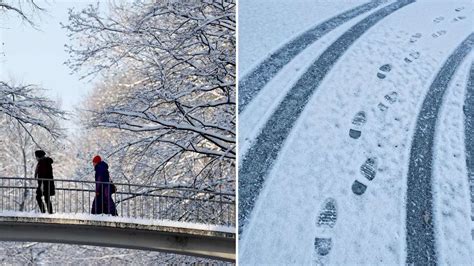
(372, 196)
(267, 24)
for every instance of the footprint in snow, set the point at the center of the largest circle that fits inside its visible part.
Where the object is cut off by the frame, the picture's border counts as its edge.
(459, 9)
(325, 221)
(412, 56)
(382, 107)
(438, 33)
(414, 38)
(390, 98)
(383, 71)
(368, 170)
(358, 188)
(458, 18)
(438, 19)
(358, 122)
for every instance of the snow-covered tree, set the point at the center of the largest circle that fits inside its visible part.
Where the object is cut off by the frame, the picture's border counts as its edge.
(169, 85)
(17, 159)
(25, 9)
(201, 98)
(25, 105)
(29, 120)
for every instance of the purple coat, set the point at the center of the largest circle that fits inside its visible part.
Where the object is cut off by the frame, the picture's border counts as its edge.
(103, 202)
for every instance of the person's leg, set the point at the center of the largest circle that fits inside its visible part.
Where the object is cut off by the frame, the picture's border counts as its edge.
(47, 199)
(39, 200)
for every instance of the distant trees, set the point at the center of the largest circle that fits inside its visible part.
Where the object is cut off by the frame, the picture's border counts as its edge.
(169, 86)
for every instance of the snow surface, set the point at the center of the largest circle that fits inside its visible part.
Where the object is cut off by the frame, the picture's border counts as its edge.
(450, 175)
(319, 160)
(266, 25)
(115, 219)
(259, 111)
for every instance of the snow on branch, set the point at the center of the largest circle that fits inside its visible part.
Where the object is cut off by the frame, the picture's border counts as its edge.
(19, 9)
(25, 105)
(169, 71)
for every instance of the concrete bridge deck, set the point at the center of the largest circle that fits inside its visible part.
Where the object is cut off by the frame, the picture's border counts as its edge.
(173, 239)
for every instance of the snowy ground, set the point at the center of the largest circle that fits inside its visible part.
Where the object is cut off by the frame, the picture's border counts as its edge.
(333, 197)
(282, 18)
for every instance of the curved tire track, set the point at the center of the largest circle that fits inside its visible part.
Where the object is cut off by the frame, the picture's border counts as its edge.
(469, 134)
(252, 83)
(260, 157)
(419, 222)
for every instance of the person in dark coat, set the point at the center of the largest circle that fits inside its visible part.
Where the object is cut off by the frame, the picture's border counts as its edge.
(103, 202)
(44, 174)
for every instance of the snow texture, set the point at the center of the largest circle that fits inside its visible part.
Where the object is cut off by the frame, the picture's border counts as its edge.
(259, 159)
(449, 181)
(256, 79)
(385, 73)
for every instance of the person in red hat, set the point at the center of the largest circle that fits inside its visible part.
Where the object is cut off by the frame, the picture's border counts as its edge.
(103, 202)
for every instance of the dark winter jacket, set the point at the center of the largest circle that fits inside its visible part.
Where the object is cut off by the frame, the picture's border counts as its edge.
(102, 175)
(44, 170)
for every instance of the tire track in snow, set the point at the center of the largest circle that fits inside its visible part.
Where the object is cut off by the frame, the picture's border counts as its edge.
(469, 134)
(260, 157)
(419, 222)
(253, 82)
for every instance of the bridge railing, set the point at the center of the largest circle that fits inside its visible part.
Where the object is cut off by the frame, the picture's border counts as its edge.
(132, 200)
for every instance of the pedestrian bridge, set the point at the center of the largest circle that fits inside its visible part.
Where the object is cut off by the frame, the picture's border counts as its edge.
(216, 244)
(176, 220)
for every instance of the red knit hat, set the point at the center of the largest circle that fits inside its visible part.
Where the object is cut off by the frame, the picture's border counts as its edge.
(97, 159)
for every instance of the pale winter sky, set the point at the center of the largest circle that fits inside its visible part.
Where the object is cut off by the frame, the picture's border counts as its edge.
(36, 56)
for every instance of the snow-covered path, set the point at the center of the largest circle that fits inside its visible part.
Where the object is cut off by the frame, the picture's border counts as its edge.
(450, 189)
(421, 236)
(335, 176)
(253, 82)
(261, 155)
